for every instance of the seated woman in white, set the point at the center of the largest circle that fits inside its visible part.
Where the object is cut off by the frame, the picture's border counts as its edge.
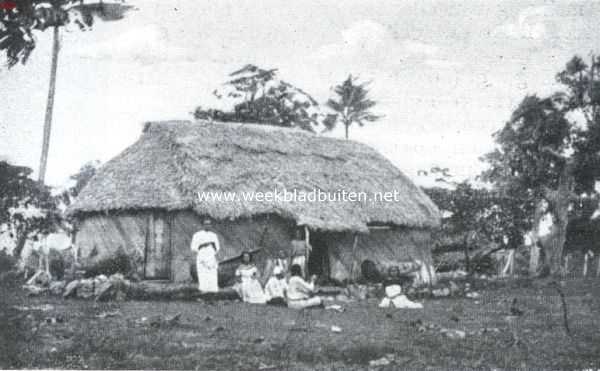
(300, 294)
(248, 287)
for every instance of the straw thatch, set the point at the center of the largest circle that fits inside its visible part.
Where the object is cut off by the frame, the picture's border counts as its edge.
(174, 160)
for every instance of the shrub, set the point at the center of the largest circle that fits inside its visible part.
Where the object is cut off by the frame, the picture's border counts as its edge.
(57, 268)
(119, 263)
(7, 262)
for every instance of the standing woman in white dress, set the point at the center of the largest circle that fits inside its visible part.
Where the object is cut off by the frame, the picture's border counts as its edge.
(205, 243)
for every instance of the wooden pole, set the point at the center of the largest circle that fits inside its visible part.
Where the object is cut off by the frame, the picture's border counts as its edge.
(508, 267)
(354, 244)
(589, 256)
(308, 250)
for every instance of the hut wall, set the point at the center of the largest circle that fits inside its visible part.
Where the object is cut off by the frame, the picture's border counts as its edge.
(272, 233)
(102, 236)
(385, 247)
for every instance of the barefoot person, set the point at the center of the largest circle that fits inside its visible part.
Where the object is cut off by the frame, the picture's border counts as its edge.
(301, 294)
(248, 287)
(205, 244)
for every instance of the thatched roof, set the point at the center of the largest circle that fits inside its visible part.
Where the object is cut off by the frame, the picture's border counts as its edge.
(174, 160)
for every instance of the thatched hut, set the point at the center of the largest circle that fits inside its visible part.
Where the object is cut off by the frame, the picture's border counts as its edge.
(146, 201)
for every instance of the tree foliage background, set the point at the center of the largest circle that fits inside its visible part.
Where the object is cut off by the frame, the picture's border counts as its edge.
(19, 23)
(29, 209)
(477, 220)
(257, 95)
(549, 151)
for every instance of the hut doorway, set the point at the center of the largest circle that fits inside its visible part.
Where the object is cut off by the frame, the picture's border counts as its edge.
(318, 260)
(157, 259)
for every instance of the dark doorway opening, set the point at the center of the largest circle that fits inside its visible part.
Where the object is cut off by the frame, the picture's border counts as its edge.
(318, 260)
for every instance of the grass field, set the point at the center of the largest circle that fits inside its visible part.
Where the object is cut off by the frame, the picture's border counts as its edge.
(231, 335)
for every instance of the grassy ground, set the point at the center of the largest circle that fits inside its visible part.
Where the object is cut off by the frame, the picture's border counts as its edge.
(232, 335)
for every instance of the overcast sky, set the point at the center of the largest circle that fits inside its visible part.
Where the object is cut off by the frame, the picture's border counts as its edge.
(446, 74)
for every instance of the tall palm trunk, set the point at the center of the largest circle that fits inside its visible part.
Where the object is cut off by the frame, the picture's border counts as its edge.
(347, 127)
(49, 107)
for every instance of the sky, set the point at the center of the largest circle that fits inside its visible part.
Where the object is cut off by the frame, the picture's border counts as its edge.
(446, 75)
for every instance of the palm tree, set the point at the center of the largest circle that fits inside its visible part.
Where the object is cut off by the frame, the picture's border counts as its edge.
(352, 105)
(18, 21)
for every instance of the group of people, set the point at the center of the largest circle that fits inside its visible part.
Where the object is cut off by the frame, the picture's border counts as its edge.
(295, 291)
(283, 287)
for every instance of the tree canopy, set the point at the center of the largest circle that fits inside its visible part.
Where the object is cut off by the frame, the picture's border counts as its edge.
(478, 219)
(26, 206)
(549, 150)
(19, 21)
(257, 95)
(352, 104)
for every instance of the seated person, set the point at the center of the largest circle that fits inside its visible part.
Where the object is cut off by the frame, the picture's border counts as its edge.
(276, 288)
(403, 278)
(300, 294)
(393, 291)
(280, 261)
(248, 286)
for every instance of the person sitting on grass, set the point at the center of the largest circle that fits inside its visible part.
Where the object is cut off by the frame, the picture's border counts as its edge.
(301, 294)
(248, 286)
(276, 288)
(280, 261)
(393, 291)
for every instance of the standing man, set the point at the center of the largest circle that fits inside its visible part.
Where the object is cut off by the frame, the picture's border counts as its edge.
(300, 250)
(205, 244)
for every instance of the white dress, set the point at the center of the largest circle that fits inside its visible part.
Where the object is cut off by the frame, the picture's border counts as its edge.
(394, 297)
(249, 288)
(206, 246)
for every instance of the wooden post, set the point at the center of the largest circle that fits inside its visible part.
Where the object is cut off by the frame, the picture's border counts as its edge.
(589, 255)
(566, 267)
(508, 267)
(354, 244)
(308, 250)
(534, 259)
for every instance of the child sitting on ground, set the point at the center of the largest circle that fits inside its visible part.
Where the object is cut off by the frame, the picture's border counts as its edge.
(393, 291)
(276, 288)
